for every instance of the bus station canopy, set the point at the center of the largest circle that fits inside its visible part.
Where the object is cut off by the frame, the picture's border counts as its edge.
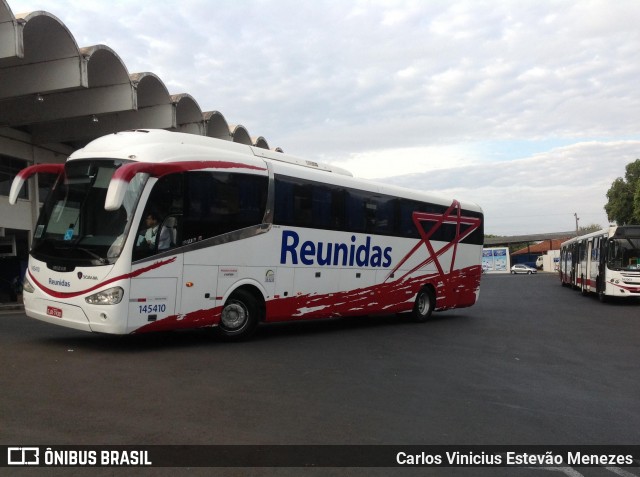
(59, 92)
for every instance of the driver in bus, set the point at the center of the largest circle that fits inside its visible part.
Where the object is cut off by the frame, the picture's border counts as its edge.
(150, 235)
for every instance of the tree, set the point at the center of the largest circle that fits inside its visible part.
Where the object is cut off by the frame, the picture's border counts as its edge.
(589, 228)
(623, 205)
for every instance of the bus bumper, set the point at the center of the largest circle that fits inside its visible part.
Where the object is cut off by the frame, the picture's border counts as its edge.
(57, 313)
(623, 289)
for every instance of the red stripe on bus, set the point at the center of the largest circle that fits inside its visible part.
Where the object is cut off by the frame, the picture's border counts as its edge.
(159, 169)
(388, 297)
(136, 273)
(41, 169)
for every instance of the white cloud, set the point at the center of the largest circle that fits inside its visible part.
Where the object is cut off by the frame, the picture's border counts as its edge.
(539, 193)
(384, 163)
(514, 69)
(482, 85)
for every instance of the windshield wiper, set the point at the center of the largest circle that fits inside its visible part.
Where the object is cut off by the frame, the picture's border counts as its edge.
(102, 261)
(74, 246)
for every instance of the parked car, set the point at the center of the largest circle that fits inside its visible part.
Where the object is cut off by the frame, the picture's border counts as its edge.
(521, 268)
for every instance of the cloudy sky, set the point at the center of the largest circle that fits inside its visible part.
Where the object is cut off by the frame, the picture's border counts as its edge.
(529, 108)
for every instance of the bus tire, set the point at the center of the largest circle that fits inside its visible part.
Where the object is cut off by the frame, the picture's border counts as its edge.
(424, 305)
(239, 317)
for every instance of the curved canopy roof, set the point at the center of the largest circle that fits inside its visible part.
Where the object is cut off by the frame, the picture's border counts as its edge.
(61, 93)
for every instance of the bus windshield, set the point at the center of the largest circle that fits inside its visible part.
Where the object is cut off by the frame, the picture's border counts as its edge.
(624, 253)
(74, 226)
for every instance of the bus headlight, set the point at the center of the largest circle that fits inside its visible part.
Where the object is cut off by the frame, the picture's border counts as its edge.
(27, 286)
(111, 296)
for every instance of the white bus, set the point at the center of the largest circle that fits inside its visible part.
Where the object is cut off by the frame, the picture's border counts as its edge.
(606, 262)
(243, 235)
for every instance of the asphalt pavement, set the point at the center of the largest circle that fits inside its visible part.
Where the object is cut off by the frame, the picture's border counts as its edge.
(531, 363)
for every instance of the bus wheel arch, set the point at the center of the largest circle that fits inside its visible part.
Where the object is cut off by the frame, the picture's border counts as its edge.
(241, 313)
(424, 304)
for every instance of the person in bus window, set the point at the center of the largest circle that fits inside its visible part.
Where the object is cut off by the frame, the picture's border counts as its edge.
(150, 238)
(147, 238)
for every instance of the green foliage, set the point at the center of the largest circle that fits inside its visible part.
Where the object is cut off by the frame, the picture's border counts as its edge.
(514, 247)
(623, 205)
(589, 228)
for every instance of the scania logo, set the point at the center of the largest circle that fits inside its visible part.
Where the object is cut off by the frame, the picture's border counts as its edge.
(80, 275)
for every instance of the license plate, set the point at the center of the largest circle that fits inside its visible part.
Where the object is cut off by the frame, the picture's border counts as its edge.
(52, 311)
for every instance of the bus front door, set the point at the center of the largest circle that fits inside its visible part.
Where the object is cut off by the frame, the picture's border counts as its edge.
(154, 293)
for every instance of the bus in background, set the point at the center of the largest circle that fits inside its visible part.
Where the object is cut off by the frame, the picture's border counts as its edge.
(154, 230)
(606, 262)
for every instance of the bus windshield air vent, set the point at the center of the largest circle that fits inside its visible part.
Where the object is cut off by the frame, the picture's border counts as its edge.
(61, 267)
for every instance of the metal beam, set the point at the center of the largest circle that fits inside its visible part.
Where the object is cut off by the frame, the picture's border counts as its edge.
(527, 238)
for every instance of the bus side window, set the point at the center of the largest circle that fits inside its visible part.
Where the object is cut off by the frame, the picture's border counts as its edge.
(404, 224)
(169, 229)
(595, 249)
(321, 207)
(303, 203)
(356, 211)
(283, 202)
(383, 221)
(165, 201)
(219, 202)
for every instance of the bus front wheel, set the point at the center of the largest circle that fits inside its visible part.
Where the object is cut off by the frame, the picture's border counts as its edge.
(240, 316)
(423, 307)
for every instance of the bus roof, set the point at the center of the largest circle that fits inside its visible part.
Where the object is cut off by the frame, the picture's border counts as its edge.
(609, 231)
(616, 231)
(161, 147)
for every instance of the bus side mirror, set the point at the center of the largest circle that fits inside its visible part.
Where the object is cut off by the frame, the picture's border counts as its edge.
(115, 194)
(16, 185)
(27, 172)
(120, 181)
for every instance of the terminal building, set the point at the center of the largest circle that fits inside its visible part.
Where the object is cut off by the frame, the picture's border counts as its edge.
(55, 97)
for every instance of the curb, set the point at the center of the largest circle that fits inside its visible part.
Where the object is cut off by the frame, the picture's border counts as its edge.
(11, 308)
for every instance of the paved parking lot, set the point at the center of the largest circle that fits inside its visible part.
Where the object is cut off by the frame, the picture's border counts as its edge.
(531, 363)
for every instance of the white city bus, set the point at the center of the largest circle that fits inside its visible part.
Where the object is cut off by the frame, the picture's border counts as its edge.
(245, 235)
(606, 262)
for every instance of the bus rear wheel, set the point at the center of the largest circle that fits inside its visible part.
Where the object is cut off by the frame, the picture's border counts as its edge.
(239, 317)
(424, 305)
